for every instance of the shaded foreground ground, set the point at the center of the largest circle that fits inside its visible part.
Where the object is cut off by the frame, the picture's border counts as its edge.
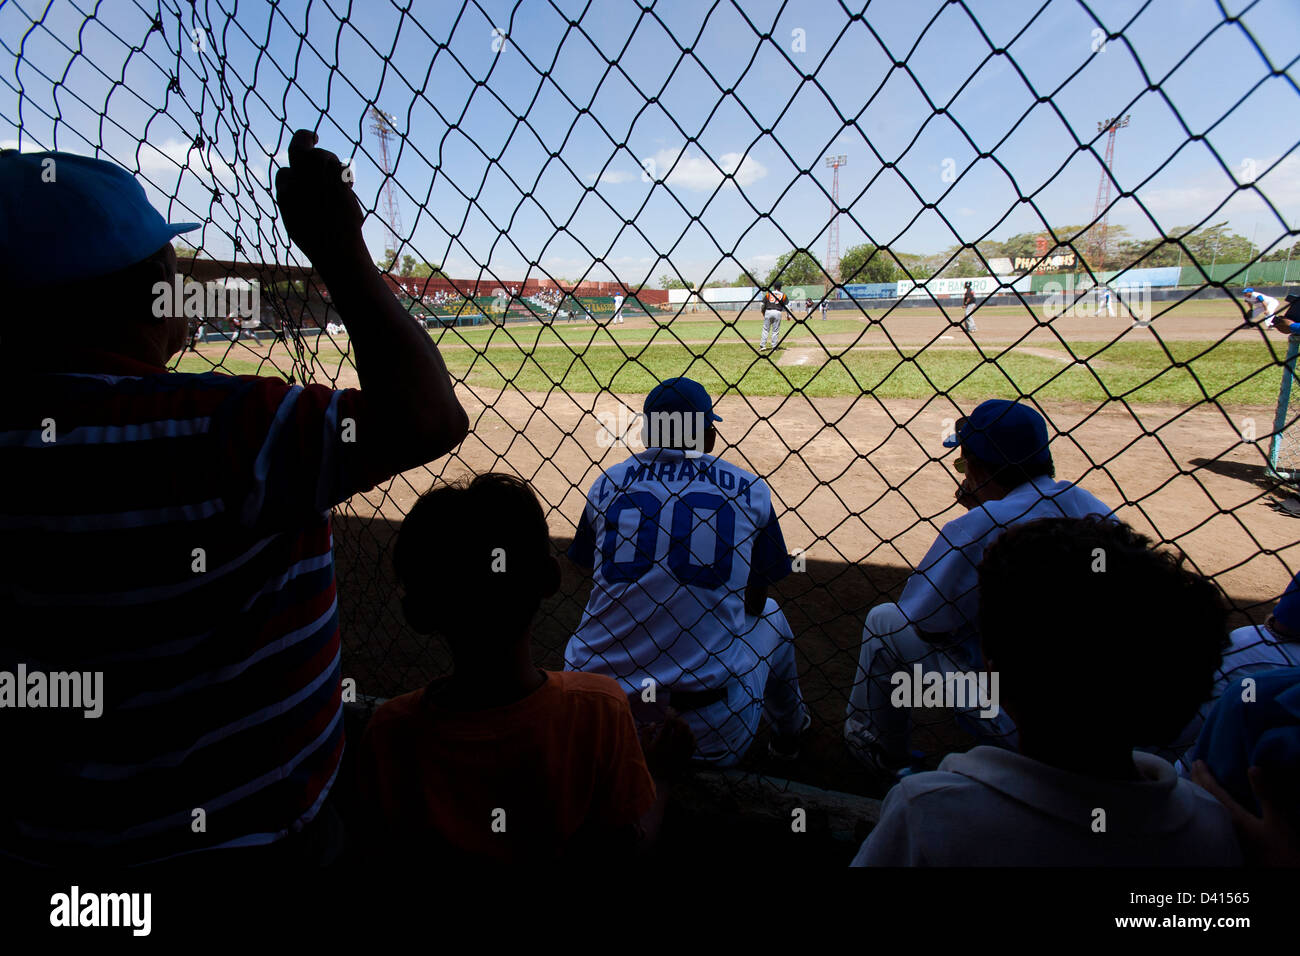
(857, 493)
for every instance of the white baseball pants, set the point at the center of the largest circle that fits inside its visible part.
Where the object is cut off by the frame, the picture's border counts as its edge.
(891, 644)
(765, 680)
(772, 321)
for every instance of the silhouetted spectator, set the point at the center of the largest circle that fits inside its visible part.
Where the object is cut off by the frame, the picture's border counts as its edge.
(1251, 650)
(1248, 756)
(501, 760)
(171, 532)
(1093, 660)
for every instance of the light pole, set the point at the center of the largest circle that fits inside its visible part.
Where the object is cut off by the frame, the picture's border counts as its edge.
(833, 237)
(1250, 253)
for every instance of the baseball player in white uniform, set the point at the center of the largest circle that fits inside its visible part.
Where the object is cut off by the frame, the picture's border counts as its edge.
(1263, 307)
(1107, 301)
(618, 307)
(683, 546)
(1008, 480)
(775, 304)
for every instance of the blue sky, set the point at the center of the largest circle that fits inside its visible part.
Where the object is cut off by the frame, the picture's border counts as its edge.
(738, 176)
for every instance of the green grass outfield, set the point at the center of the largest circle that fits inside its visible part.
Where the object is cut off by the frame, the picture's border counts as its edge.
(585, 359)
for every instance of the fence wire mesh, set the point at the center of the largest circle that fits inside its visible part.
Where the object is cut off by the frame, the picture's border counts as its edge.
(523, 164)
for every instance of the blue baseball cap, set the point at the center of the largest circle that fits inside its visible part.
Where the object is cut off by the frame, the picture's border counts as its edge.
(680, 395)
(65, 217)
(1000, 432)
(1247, 291)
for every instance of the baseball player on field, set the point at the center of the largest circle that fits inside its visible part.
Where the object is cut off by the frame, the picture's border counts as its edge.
(775, 304)
(1107, 302)
(968, 303)
(682, 547)
(1263, 307)
(618, 307)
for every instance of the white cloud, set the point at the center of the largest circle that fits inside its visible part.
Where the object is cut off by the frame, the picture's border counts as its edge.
(697, 172)
(175, 154)
(1193, 200)
(615, 176)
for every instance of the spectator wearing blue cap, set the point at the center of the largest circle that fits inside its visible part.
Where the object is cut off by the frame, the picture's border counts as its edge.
(1252, 650)
(170, 532)
(1008, 478)
(683, 547)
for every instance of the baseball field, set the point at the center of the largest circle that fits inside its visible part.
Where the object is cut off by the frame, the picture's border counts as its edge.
(845, 421)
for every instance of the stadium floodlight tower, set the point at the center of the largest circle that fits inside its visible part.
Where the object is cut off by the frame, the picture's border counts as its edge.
(833, 239)
(1101, 211)
(382, 127)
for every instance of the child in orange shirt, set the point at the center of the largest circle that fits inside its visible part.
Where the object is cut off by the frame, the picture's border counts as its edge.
(500, 761)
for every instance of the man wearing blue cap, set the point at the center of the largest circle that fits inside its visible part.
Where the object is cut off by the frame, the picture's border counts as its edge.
(682, 547)
(1008, 479)
(166, 536)
(1263, 307)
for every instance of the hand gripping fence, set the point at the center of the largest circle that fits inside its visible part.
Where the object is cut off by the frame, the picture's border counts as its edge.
(523, 164)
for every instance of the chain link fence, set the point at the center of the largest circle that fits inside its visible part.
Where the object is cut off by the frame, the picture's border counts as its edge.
(524, 164)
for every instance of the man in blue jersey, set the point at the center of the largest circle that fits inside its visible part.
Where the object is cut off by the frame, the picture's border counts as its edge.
(683, 547)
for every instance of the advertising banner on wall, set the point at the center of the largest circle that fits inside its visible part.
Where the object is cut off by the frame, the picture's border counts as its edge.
(798, 293)
(869, 290)
(1132, 278)
(742, 293)
(981, 285)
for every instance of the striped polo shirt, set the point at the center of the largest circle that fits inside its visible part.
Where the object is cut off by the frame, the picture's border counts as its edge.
(170, 532)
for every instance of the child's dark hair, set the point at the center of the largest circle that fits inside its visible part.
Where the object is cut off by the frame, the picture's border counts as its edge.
(474, 557)
(1088, 625)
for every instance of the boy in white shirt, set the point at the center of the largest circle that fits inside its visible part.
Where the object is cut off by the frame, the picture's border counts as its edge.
(1101, 643)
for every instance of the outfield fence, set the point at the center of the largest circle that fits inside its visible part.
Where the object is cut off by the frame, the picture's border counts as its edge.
(483, 103)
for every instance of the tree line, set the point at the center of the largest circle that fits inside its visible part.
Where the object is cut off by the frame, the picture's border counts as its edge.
(863, 263)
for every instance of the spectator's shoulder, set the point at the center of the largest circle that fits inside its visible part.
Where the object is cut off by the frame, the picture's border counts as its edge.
(395, 712)
(596, 690)
(1216, 837)
(933, 787)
